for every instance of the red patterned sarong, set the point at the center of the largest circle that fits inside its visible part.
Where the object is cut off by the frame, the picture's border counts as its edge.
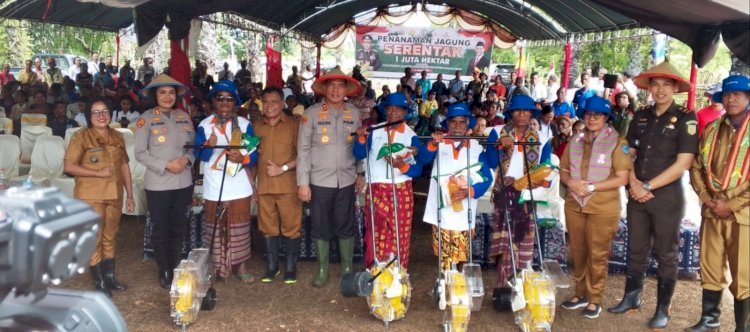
(385, 231)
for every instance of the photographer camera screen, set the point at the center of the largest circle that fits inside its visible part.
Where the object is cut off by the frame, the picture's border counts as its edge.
(45, 238)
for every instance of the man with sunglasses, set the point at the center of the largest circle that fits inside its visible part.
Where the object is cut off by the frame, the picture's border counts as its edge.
(663, 140)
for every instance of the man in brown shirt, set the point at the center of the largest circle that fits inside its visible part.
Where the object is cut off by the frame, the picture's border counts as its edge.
(279, 207)
(720, 176)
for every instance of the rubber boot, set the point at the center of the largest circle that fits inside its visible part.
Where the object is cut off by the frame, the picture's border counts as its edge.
(292, 251)
(742, 315)
(346, 251)
(632, 298)
(108, 273)
(273, 244)
(323, 247)
(96, 275)
(709, 314)
(664, 292)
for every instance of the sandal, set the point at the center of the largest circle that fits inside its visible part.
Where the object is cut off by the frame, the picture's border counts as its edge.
(246, 278)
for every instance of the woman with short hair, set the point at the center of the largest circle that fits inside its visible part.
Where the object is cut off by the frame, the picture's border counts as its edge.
(96, 156)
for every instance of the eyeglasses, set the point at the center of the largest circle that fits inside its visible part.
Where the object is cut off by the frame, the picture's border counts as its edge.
(101, 113)
(595, 116)
(226, 98)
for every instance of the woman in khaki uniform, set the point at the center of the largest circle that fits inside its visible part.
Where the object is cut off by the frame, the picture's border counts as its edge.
(97, 158)
(594, 166)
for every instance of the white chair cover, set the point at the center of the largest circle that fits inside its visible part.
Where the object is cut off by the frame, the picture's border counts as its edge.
(29, 135)
(6, 126)
(10, 155)
(33, 120)
(137, 173)
(47, 158)
(69, 133)
(115, 125)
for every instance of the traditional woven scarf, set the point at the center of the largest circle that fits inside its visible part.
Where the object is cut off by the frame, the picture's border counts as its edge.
(532, 154)
(600, 161)
(738, 162)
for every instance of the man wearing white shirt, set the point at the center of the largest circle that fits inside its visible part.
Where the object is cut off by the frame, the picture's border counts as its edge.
(93, 65)
(552, 87)
(630, 87)
(538, 90)
(75, 68)
(226, 73)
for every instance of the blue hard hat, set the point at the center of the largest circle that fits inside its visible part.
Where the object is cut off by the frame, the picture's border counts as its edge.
(227, 86)
(595, 104)
(732, 83)
(396, 99)
(521, 102)
(458, 109)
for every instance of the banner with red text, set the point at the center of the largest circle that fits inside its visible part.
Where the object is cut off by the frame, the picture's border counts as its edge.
(385, 51)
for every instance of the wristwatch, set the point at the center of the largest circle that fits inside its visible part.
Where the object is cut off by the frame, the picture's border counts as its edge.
(590, 187)
(646, 186)
(284, 168)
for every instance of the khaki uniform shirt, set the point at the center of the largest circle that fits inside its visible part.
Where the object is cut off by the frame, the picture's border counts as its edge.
(324, 147)
(601, 202)
(278, 144)
(88, 149)
(737, 198)
(159, 137)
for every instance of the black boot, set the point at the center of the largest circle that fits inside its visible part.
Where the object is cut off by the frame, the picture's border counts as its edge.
(96, 275)
(165, 277)
(292, 251)
(273, 243)
(632, 298)
(742, 315)
(108, 273)
(664, 292)
(710, 313)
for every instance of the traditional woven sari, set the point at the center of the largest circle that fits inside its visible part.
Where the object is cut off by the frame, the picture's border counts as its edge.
(385, 229)
(522, 223)
(231, 245)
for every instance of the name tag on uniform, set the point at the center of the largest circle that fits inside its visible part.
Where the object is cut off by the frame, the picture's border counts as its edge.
(349, 122)
(324, 123)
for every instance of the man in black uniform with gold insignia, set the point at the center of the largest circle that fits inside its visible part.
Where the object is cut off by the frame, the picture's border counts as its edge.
(663, 140)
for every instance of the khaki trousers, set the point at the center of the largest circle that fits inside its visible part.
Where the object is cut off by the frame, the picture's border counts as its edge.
(280, 215)
(725, 240)
(590, 244)
(110, 212)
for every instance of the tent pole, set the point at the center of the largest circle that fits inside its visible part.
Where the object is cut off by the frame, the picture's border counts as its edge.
(117, 50)
(566, 65)
(317, 62)
(519, 69)
(693, 80)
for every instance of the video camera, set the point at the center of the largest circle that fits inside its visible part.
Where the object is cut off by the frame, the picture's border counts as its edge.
(45, 238)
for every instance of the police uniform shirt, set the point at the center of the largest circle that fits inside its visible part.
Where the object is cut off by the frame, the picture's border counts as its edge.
(658, 139)
(159, 139)
(324, 147)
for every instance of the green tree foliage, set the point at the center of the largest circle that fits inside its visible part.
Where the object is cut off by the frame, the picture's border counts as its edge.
(15, 44)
